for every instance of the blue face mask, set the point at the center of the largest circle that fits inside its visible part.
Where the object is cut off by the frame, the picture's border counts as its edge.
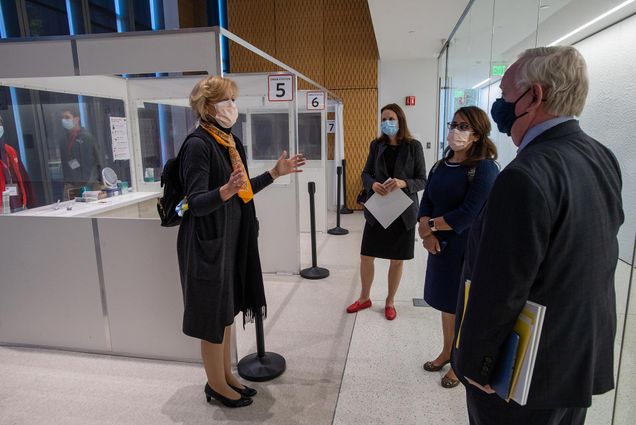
(503, 113)
(68, 123)
(390, 127)
(1, 131)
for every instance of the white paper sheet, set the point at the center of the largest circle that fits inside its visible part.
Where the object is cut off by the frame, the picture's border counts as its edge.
(387, 208)
(119, 134)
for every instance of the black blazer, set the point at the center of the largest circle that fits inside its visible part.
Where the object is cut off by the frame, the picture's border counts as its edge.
(409, 166)
(548, 234)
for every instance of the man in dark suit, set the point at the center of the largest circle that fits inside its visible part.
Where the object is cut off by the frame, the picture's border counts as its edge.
(547, 234)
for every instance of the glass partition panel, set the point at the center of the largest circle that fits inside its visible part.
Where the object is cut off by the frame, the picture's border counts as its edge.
(162, 130)
(624, 407)
(59, 143)
(270, 135)
(515, 30)
(468, 64)
(310, 135)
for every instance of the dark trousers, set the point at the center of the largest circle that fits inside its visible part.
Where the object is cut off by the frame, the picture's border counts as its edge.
(489, 409)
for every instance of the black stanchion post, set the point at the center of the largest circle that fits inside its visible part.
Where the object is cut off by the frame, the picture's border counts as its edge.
(261, 366)
(338, 230)
(344, 209)
(313, 272)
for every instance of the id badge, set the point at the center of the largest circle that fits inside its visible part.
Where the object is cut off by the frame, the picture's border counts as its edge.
(74, 164)
(13, 189)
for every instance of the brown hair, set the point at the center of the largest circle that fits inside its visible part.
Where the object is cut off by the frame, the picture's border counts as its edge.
(483, 147)
(209, 91)
(403, 134)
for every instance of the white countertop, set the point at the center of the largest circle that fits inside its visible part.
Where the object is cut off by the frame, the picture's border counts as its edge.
(88, 209)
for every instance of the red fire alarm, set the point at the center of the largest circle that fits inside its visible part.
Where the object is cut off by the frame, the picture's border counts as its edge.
(410, 100)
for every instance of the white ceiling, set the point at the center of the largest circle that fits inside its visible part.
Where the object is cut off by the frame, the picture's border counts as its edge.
(413, 29)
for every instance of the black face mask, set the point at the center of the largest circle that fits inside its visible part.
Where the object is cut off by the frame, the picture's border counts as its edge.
(503, 113)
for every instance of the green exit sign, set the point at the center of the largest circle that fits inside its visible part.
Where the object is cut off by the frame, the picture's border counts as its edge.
(498, 70)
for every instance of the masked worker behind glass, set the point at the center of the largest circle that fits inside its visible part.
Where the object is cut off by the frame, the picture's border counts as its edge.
(13, 176)
(80, 156)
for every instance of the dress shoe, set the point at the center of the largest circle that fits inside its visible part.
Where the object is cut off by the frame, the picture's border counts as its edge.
(432, 367)
(228, 402)
(357, 306)
(245, 391)
(389, 312)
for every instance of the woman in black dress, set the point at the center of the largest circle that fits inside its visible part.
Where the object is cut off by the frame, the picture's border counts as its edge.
(217, 244)
(395, 162)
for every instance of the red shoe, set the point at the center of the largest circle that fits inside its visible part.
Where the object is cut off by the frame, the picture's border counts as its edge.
(389, 312)
(356, 306)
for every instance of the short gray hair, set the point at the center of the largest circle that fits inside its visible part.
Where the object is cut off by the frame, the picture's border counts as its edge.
(562, 72)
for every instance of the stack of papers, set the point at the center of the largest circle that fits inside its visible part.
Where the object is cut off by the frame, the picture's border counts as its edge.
(528, 326)
(513, 373)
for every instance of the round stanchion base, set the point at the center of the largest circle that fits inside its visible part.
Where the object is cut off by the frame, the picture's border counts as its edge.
(314, 273)
(260, 369)
(338, 231)
(345, 210)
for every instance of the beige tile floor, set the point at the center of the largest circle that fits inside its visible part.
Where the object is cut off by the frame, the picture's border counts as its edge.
(341, 369)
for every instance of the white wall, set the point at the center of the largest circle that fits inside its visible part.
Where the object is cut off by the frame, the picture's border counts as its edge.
(610, 113)
(418, 78)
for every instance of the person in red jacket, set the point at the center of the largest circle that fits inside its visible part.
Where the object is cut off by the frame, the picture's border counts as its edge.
(14, 177)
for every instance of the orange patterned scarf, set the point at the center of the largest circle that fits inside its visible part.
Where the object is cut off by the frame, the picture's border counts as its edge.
(227, 140)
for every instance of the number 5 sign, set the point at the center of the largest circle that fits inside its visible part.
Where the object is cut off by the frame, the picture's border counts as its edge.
(280, 87)
(315, 100)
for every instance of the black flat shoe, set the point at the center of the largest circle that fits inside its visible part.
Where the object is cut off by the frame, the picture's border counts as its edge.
(228, 402)
(246, 392)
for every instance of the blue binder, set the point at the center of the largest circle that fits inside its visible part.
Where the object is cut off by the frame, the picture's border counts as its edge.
(502, 375)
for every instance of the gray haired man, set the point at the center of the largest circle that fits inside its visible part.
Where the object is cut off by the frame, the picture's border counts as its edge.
(548, 234)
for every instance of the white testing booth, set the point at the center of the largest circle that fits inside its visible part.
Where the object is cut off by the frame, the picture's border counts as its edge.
(102, 276)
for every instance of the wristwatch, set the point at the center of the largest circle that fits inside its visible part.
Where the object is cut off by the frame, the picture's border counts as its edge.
(431, 224)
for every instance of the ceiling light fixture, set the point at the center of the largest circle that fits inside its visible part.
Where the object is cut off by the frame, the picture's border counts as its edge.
(592, 22)
(481, 83)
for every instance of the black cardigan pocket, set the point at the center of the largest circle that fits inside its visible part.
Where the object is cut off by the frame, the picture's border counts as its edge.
(208, 259)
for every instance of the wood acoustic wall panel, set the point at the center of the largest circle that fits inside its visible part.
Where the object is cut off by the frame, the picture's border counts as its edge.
(351, 53)
(193, 13)
(360, 128)
(299, 38)
(255, 22)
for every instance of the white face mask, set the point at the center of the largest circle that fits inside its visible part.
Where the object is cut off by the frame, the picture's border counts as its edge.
(1, 131)
(68, 123)
(458, 140)
(226, 113)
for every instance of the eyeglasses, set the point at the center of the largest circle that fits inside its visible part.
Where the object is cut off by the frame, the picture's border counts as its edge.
(462, 126)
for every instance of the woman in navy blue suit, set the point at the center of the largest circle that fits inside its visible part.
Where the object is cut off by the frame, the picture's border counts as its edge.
(457, 189)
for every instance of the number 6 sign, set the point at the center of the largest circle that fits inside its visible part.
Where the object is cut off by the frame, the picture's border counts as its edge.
(315, 100)
(280, 87)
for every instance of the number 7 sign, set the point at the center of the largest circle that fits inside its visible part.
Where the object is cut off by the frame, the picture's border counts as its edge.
(280, 87)
(315, 100)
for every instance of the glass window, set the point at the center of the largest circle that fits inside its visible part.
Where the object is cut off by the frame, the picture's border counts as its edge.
(62, 142)
(270, 135)
(310, 135)
(162, 129)
(46, 17)
(143, 17)
(10, 20)
(103, 16)
(239, 129)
